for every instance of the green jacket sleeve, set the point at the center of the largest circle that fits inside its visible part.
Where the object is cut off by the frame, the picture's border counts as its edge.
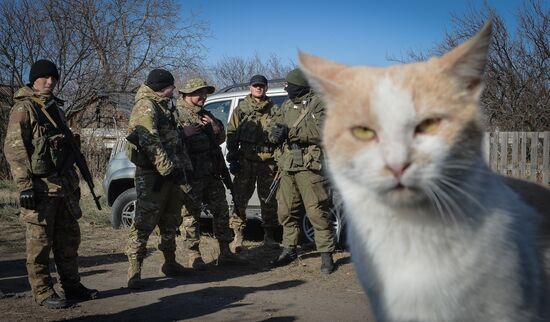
(144, 120)
(18, 145)
(232, 135)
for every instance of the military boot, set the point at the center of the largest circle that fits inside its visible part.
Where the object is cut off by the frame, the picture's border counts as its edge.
(170, 267)
(269, 240)
(227, 258)
(79, 292)
(286, 257)
(54, 301)
(237, 244)
(134, 273)
(327, 264)
(196, 262)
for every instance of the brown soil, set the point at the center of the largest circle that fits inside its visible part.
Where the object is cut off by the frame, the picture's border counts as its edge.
(298, 292)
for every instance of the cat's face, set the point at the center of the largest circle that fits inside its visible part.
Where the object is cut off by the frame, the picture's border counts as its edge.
(398, 132)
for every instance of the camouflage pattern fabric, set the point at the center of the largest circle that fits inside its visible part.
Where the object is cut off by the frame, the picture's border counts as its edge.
(209, 191)
(60, 234)
(158, 201)
(53, 225)
(154, 208)
(301, 160)
(195, 84)
(23, 132)
(248, 143)
(153, 120)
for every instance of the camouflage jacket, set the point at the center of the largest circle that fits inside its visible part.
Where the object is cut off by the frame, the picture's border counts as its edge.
(199, 146)
(302, 150)
(28, 146)
(153, 124)
(248, 131)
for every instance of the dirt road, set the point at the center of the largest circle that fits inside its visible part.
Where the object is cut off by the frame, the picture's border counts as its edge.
(297, 292)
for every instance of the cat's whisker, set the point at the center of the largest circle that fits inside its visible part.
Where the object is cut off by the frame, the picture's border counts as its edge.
(456, 185)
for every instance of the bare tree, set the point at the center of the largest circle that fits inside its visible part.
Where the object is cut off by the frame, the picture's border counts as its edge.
(237, 70)
(517, 93)
(98, 45)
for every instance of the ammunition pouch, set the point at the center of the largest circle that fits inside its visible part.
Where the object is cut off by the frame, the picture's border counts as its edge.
(313, 158)
(50, 155)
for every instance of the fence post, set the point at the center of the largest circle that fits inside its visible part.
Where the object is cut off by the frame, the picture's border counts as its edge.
(546, 158)
(534, 161)
(515, 142)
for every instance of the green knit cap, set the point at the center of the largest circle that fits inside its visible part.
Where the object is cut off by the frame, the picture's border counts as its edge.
(296, 77)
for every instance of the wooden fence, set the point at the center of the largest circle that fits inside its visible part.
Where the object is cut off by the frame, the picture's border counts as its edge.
(523, 155)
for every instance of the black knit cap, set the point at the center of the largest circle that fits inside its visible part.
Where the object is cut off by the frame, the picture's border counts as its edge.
(42, 68)
(159, 79)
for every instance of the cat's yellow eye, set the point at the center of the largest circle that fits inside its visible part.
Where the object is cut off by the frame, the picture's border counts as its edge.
(428, 126)
(363, 133)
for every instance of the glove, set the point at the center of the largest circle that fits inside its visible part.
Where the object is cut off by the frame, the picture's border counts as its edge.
(27, 199)
(176, 176)
(279, 133)
(234, 167)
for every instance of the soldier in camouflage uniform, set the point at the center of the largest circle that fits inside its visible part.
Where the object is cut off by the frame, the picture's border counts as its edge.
(44, 171)
(250, 157)
(155, 147)
(297, 129)
(203, 134)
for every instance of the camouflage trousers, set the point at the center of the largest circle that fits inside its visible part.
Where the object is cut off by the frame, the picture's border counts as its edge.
(52, 227)
(158, 204)
(211, 192)
(311, 188)
(252, 174)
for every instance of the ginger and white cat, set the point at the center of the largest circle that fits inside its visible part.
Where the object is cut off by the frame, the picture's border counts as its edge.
(434, 234)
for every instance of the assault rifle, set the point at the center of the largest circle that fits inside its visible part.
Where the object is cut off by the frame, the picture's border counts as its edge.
(274, 186)
(219, 162)
(80, 161)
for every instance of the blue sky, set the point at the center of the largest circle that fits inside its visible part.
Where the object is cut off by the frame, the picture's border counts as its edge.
(350, 32)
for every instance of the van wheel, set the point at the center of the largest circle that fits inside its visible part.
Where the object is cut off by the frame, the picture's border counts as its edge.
(124, 209)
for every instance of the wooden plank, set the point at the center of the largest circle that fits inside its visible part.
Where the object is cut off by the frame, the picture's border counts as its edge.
(503, 164)
(486, 147)
(533, 160)
(515, 144)
(546, 159)
(523, 155)
(494, 151)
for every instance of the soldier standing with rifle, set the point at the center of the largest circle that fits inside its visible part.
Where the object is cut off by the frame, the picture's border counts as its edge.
(297, 129)
(42, 152)
(203, 135)
(155, 144)
(250, 157)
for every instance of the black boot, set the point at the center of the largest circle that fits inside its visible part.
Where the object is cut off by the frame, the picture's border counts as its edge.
(54, 302)
(327, 264)
(79, 292)
(287, 256)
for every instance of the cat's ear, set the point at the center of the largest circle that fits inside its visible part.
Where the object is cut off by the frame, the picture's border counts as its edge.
(321, 73)
(466, 62)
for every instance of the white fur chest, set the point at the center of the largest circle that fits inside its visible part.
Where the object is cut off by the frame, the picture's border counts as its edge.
(426, 273)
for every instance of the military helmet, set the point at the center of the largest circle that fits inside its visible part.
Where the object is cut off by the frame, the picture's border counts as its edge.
(196, 84)
(296, 77)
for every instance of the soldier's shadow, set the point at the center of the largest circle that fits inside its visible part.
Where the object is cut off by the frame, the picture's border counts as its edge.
(195, 304)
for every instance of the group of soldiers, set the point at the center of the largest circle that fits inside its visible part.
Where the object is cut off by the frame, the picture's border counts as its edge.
(175, 147)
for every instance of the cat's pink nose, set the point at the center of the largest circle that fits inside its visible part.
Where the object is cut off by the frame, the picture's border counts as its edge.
(397, 169)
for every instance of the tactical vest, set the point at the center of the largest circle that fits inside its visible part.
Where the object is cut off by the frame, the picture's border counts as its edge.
(297, 156)
(50, 153)
(252, 133)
